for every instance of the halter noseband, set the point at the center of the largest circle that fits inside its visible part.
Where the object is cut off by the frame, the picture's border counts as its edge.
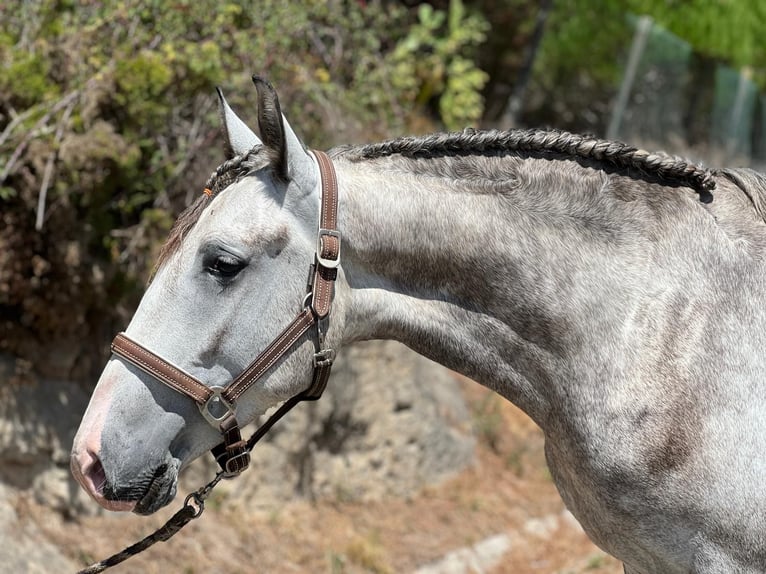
(218, 404)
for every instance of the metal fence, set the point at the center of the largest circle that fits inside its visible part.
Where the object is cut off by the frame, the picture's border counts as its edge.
(672, 97)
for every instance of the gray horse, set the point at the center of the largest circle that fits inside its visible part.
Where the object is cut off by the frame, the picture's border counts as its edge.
(616, 296)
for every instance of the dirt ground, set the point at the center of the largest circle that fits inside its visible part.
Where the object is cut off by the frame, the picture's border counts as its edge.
(507, 492)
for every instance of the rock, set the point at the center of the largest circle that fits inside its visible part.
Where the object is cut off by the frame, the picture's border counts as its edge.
(488, 553)
(38, 421)
(476, 559)
(25, 548)
(542, 527)
(389, 423)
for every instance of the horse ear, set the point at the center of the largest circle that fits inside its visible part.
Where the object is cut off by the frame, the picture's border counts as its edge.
(293, 160)
(271, 124)
(240, 139)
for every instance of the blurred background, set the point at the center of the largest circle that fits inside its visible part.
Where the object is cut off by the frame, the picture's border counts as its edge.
(109, 128)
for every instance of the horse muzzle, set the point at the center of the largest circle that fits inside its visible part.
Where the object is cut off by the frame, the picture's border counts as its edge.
(143, 495)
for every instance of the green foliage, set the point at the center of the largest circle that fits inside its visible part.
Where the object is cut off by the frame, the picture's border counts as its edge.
(584, 38)
(141, 84)
(435, 60)
(27, 78)
(588, 35)
(115, 102)
(580, 63)
(732, 30)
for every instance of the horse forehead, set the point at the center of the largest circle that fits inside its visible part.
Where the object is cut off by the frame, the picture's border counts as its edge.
(240, 210)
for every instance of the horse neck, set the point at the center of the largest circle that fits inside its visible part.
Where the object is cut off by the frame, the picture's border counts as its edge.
(488, 282)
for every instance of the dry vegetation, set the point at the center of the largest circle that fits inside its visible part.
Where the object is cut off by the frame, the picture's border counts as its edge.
(507, 491)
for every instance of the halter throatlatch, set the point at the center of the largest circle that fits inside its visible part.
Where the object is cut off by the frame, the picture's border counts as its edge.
(218, 404)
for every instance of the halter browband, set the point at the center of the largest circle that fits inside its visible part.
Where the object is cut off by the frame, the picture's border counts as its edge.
(218, 404)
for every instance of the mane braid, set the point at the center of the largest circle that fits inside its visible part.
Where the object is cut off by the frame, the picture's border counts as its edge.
(664, 167)
(223, 176)
(230, 170)
(469, 141)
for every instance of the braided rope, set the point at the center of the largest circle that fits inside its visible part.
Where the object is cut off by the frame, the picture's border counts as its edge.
(176, 522)
(186, 514)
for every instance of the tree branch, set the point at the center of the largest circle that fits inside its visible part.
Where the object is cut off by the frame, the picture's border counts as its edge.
(49, 165)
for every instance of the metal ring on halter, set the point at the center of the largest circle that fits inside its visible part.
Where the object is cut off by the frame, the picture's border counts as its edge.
(218, 402)
(307, 300)
(198, 501)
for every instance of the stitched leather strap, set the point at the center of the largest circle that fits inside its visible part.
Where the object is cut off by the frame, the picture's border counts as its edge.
(184, 383)
(328, 241)
(278, 347)
(160, 369)
(232, 454)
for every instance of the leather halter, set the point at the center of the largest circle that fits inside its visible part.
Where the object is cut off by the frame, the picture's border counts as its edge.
(218, 404)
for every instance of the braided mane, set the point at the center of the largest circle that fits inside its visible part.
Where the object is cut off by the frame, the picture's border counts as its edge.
(616, 154)
(669, 169)
(223, 176)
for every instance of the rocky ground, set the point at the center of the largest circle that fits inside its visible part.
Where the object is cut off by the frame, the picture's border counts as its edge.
(373, 497)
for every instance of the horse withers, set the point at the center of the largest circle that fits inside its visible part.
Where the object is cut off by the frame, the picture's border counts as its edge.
(613, 294)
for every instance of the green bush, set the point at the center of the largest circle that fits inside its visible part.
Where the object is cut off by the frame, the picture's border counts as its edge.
(108, 111)
(435, 60)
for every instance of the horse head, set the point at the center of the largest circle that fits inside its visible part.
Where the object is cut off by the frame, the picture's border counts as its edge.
(232, 275)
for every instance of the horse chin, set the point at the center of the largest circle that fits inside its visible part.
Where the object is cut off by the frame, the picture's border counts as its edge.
(161, 491)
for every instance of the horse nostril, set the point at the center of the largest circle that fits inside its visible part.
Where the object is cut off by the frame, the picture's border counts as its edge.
(96, 475)
(89, 472)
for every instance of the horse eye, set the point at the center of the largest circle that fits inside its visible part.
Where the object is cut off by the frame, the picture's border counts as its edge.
(226, 266)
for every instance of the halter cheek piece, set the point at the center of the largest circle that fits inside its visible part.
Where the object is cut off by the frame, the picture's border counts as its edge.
(218, 404)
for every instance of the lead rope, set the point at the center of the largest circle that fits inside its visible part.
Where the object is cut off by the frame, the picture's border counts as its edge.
(194, 504)
(180, 519)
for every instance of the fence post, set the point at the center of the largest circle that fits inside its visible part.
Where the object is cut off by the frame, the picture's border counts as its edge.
(636, 50)
(733, 143)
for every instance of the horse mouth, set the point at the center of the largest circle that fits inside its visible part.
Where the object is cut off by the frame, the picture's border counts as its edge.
(92, 478)
(143, 495)
(148, 493)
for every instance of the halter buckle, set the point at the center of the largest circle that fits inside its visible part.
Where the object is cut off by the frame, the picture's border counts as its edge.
(324, 358)
(237, 463)
(323, 261)
(216, 408)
